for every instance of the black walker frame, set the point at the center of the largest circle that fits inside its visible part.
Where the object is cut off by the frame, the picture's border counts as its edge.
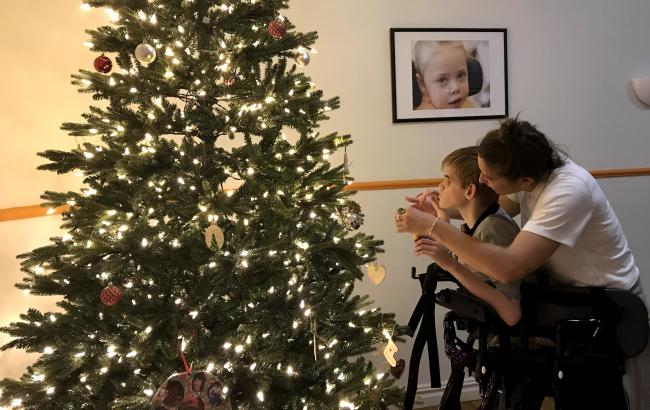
(587, 334)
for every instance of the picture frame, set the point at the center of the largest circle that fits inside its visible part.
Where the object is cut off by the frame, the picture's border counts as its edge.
(443, 74)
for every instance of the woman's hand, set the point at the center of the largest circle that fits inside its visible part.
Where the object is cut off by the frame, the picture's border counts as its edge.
(435, 202)
(435, 250)
(413, 220)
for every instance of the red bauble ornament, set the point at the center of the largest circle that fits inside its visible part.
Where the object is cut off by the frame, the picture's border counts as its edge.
(103, 64)
(276, 29)
(110, 295)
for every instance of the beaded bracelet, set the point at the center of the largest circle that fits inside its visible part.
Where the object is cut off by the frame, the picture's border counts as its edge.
(433, 225)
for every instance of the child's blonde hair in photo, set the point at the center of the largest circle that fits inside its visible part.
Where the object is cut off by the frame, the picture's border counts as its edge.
(423, 49)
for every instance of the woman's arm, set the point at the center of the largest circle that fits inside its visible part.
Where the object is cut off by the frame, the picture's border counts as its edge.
(509, 264)
(526, 253)
(508, 309)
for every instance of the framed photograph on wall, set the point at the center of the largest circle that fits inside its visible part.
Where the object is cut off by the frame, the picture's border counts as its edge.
(442, 74)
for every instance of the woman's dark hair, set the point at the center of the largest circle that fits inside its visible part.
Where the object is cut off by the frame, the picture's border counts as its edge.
(518, 149)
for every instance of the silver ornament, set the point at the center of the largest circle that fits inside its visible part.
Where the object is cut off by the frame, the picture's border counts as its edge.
(350, 216)
(353, 221)
(303, 58)
(145, 53)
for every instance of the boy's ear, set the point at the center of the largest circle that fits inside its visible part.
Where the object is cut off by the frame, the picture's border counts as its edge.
(470, 191)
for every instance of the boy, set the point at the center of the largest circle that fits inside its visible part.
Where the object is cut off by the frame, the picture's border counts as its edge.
(441, 74)
(484, 220)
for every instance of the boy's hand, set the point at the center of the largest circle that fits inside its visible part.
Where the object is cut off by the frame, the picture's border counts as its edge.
(429, 201)
(435, 250)
(424, 201)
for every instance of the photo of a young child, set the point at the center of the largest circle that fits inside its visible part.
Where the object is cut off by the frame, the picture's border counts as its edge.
(447, 73)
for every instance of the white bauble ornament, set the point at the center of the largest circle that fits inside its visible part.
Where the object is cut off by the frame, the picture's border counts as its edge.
(303, 58)
(145, 53)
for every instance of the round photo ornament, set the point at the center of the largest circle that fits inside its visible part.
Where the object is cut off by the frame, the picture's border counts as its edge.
(191, 391)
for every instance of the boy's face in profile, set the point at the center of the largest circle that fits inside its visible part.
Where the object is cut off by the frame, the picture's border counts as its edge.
(444, 77)
(452, 193)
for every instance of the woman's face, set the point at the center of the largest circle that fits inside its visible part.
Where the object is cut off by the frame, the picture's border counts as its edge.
(197, 384)
(444, 77)
(492, 178)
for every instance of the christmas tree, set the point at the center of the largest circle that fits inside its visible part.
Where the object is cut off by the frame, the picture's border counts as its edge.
(210, 229)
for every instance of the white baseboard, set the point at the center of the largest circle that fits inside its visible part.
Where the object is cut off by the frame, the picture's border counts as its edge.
(427, 396)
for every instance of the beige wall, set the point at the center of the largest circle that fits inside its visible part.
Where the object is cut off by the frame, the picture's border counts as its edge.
(568, 65)
(40, 45)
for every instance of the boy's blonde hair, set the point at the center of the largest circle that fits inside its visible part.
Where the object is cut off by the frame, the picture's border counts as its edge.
(464, 164)
(422, 50)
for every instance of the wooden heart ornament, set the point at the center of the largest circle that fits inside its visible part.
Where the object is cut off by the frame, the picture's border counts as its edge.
(376, 273)
(214, 233)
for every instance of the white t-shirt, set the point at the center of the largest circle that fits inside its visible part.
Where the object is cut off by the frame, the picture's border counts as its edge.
(570, 208)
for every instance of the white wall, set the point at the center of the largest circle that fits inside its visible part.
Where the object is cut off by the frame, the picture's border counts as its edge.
(568, 64)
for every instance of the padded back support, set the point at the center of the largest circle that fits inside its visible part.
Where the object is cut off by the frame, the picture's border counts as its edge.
(544, 307)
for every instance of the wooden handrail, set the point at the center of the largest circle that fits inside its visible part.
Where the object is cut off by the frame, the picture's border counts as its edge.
(33, 211)
(430, 182)
(621, 172)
